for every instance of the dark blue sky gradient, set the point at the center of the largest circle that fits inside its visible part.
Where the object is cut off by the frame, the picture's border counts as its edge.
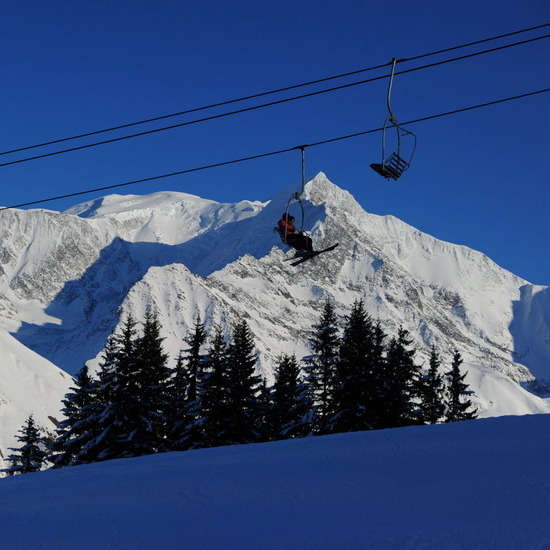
(479, 178)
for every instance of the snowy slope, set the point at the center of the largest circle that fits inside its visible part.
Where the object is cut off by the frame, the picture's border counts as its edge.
(67, 279)
(167, 217)
(477, 485)
(43, 257)
(29, 384)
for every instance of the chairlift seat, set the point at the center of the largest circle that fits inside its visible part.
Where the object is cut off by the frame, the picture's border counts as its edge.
(393, 168)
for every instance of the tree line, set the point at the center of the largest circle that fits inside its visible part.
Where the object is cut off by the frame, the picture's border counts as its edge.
(356, 378)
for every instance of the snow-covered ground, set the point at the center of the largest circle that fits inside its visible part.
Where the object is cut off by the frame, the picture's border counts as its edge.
(482, 484)
(29, 384)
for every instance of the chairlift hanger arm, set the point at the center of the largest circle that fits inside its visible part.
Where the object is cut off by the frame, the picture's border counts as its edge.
(302, 148)
(393, 63)
(391, 117)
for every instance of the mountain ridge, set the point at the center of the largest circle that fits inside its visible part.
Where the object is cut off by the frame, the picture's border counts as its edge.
(68, 279)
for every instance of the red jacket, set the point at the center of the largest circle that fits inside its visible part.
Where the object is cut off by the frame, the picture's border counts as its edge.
(286, 228)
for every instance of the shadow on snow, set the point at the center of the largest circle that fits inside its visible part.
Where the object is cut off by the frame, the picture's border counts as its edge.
(88, 309)
(530, 330)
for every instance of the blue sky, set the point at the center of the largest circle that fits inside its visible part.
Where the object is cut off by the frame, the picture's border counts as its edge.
(478, 179)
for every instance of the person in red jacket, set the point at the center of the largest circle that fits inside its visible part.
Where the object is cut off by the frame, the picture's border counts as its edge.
(291, 236)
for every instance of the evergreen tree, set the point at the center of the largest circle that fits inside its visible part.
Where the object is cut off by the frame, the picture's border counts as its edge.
(195, 358)
(243, 414)
(213, 393)
(354, 373)
(177, 389)
(432, 392)
(264, 421)
(74, 430)
(291, 403)
(185, 432)
(377, 386)
(321, 369)
(401, 383)
(459, 407)
(123, 401)
(119, 417)
(152, 374)
(96, 432)
(32, 455)
(121, 414)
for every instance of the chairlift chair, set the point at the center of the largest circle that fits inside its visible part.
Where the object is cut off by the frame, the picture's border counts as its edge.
(397, 162)
(394, 166)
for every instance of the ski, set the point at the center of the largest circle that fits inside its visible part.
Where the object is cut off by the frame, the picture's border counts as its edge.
(309, 255)
(296, 257)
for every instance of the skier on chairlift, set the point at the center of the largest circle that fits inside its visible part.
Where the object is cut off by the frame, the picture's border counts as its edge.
(297, 239)
(291, 236)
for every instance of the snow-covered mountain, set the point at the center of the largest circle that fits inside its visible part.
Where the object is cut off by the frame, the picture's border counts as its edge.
(67, 279)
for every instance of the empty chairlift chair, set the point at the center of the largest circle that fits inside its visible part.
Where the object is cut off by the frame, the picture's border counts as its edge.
(398, 161)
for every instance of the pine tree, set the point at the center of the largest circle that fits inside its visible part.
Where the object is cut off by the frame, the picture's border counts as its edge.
(355, 373)
(321, 369)
(195, 358)
(212, 392)
(243, 414)
(264, 408)
(32, 455)
(178, 386)
(185, 432)
(74, 430)
(152, 376)
(291, 403)
(401, 382)
(121, 420)
(459, 407)
(96, 432)
(123, 405)
(431, 392)
(377, 385)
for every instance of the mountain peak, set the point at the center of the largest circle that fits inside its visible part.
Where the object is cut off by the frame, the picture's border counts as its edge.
(66, 280)
(320, 190)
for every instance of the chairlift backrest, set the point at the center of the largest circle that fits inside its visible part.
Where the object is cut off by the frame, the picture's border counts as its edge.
(396, 165)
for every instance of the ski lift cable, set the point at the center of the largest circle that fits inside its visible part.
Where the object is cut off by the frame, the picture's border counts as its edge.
(269, 104)
(270, 153)
(269, 92)
(432, 117)
(475, 43)
(254, 107)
